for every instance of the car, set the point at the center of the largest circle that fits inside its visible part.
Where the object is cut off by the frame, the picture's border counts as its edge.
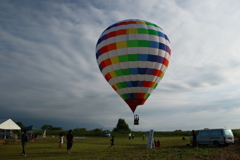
(216, 137)
(106, 134)
(8, 133)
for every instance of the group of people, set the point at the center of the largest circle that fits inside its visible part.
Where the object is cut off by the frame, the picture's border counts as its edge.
(69, 137)
(130, 136)
(70, 140)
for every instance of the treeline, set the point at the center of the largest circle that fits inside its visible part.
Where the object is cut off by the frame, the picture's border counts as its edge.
(122, 129)
(98, 132)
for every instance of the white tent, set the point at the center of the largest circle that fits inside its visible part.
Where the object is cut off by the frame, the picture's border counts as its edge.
(9, 125)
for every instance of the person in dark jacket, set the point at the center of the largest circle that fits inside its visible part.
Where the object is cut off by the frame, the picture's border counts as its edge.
(70, 141)
(194, 138)
(24, 142)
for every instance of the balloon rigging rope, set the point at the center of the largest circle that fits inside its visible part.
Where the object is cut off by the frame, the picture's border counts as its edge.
(139, 111)
(157, 123)
(117, 99)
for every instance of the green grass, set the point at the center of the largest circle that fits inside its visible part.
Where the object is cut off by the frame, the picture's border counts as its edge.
(172, 148)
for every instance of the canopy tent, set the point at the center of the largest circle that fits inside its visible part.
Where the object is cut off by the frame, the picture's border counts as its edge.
(9, 125)
(31, 128)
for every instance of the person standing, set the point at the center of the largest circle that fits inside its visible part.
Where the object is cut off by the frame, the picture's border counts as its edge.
(129, 136)
(24, 142)
(60, 140)
(132, 136)
(70, 141)
(194, 138)
(112, 142)
(143, 136)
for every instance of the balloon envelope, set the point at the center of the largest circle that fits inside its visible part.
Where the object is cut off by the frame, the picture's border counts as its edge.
(133, 56)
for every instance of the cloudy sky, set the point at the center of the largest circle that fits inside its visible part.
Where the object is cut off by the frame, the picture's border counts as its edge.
(49, 73)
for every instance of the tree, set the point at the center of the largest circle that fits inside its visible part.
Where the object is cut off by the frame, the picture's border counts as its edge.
(80, 130)
(97, 130)
(57, 128)
(47, 127)
(121, 126)
(20, 125)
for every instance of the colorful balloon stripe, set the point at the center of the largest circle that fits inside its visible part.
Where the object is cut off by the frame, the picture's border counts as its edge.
(132, 22)
(133, 57)
(132, 71)
(135, 96)
(133, 43)
(131, 31)
(121, 85)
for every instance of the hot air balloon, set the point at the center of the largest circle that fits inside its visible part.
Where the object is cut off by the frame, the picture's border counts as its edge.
(133, 56)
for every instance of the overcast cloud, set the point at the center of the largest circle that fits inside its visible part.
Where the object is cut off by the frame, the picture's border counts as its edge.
(49, 73)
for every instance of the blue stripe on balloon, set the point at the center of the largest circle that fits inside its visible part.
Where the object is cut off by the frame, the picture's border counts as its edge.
(134, 83)
(129, 84)
(132, 95)
(140, 83)
(142, 57)
(153, 44)
(128, 96)
(165, 36)
(160, 59)
(141, 70)
(152, 58)
(133, 71)
(149, 71)
(162, 46)
(104, 37)
(98, 53)
(160, 34)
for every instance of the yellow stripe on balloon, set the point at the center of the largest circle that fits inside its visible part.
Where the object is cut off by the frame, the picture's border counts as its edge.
(122, 44)
(141, 22)
(113, 74)
(114, 60)
(132, 31)
(116, 86)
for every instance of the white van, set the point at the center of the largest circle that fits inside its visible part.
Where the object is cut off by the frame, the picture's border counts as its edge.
(216, 137)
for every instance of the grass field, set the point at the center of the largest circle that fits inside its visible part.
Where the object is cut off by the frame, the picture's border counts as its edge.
(172, 148)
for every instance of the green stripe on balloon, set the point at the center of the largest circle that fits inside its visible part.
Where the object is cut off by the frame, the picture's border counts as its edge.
(133, 57)
(119, 72)
(124, 96)
(156, 84)
(123, 58)
(126, 71)
(147, 95)
(142, 31)
(132, 43)
(152, 32)
(151, 24)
